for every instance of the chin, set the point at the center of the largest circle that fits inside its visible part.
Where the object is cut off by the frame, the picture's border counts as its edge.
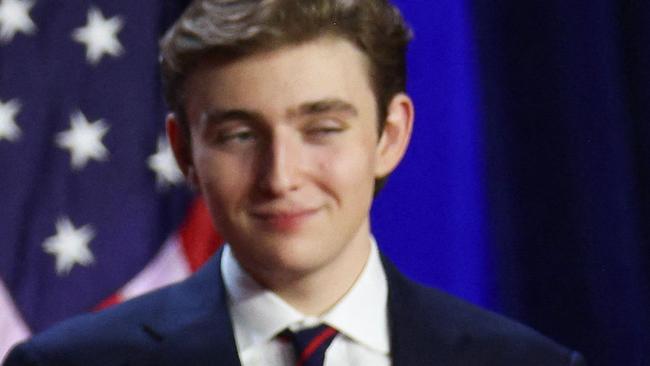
(288, 255)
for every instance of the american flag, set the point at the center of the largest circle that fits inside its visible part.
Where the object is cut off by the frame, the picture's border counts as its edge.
(92, 207)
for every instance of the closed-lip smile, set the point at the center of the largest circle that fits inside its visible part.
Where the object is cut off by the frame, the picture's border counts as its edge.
(283, 219)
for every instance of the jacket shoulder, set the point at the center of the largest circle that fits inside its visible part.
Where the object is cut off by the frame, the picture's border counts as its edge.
(121, 334)
(432, 327)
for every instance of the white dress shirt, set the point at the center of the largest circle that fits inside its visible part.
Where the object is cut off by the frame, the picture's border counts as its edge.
(360, 317)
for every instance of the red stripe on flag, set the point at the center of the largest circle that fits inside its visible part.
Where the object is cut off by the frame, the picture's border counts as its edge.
(198, 237)
(198, 241)
(113, 300)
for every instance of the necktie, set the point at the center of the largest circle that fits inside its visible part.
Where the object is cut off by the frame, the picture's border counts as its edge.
(310, 344)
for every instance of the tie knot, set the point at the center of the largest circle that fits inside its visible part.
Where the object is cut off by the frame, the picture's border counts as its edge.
(310, 344)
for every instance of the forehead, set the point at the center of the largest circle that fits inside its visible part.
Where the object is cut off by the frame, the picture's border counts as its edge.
(283, 78)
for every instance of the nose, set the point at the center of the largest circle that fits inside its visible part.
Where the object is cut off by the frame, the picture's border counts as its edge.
(280, 171)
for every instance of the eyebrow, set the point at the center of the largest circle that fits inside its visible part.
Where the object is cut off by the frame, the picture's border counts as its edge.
(323, 106)
(218, 116)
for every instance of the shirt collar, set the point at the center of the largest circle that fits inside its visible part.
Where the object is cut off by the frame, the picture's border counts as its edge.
(362, 313)
(258, 314)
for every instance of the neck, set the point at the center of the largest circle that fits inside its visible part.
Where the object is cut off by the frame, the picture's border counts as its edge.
(316, 293)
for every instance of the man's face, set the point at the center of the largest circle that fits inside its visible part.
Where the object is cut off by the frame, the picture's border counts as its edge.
(285, 150)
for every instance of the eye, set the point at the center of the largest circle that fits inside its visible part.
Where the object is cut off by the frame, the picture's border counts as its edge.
(324, 131)
(324, 127)
(240, 135)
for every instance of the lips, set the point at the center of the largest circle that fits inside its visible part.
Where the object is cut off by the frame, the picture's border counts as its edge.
(284, 220)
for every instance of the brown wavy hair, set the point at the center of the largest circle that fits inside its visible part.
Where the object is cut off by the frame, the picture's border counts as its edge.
(229, 29)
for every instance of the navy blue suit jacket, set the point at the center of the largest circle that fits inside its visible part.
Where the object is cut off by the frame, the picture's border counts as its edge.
(188, 324)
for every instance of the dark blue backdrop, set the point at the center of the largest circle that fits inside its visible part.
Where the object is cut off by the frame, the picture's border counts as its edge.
(527, 186)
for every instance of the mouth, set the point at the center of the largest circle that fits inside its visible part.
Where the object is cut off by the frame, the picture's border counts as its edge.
(284, 220)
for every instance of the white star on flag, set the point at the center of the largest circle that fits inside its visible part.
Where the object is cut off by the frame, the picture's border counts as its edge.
(164, 164)
(70, 246)
(8, 128)
(100, 36)
(83, 140)
(14, 17)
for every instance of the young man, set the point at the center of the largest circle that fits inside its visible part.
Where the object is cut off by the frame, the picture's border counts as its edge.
(286, 116)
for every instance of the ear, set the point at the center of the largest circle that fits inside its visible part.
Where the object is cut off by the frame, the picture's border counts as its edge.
(396, 135)
(180, 145)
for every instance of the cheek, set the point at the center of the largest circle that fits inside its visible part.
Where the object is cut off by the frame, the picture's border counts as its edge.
(349, 169)
(222, 179)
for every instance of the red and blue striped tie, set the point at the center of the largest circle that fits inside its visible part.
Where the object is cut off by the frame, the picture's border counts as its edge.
(310, 344)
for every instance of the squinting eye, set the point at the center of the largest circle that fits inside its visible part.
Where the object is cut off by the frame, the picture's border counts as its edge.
(241, 136)
(323, 128)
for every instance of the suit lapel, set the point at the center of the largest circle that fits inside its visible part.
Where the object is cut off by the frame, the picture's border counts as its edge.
(196, 329)
(416, 338)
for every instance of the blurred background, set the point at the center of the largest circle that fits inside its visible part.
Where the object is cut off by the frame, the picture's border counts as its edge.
(526, 188)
